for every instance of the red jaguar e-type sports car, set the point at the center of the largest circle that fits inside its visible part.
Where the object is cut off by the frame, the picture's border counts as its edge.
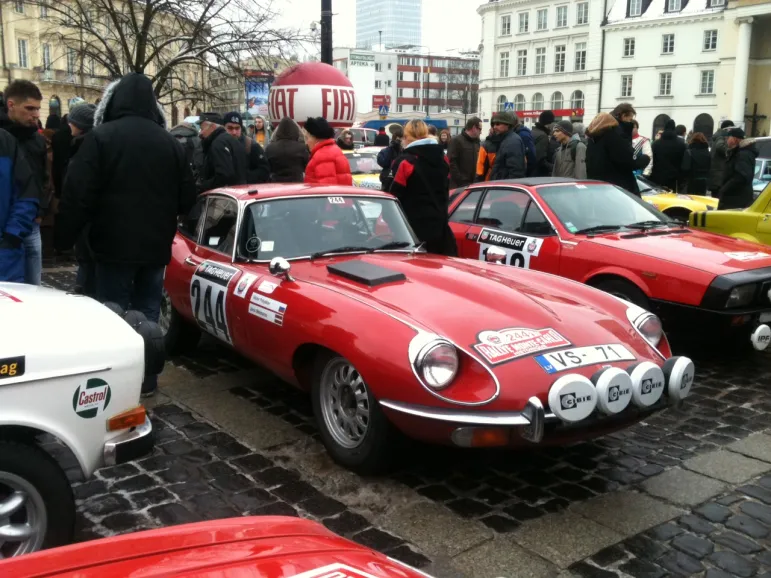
(328, 288)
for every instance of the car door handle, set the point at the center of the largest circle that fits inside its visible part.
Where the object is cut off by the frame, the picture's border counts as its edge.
(191, 262)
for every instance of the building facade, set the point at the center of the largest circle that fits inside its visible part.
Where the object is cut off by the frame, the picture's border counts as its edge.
(407, 81)
(388, 24)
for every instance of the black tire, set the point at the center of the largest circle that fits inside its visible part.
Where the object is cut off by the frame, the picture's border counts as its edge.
(680, 215)
(155, 348)
(41, 471)
(182, 336)
(624, 290)
(374, 454)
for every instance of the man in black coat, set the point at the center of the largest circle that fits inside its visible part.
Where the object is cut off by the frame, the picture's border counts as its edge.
(511, 159)
(387, 156)
(463, 154)
(668, 152)
(224, 162)
(257, 168)
(609, 154)
(736, 192)
(20, 118)
(130, 181)
(719, 158)
(381, 140)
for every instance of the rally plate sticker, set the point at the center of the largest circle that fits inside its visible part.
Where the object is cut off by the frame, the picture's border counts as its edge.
(519, 248)
(509, 344)
(208, 297)
(582, 356)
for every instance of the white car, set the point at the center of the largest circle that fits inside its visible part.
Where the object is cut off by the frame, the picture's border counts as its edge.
(72, 368)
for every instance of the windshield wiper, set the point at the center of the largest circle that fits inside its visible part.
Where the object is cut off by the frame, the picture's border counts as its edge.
(392, 245)
(647, 225)
(598, 229)
(347, 249)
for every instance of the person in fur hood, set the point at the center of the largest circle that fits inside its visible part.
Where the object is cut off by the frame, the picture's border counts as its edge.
(609, 155)
(129, 181)
(736, 191)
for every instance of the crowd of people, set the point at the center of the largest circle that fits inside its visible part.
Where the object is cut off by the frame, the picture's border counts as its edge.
(117, 178)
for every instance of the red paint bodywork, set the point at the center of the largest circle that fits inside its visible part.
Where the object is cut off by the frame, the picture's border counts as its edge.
(676, 268)
(373, 326)
(259, 547)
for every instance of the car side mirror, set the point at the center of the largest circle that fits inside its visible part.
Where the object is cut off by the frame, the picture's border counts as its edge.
(280, 267)
(495, 255)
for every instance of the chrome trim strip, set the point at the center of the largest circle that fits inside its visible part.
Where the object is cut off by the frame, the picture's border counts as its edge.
(54, 374)
(111, 447)
(464, 417)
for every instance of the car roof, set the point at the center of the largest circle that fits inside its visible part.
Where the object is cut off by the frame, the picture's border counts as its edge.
(538, 182)
(288, 190)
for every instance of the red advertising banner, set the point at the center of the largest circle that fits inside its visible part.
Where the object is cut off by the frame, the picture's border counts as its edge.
(566, 112)
(379, 100)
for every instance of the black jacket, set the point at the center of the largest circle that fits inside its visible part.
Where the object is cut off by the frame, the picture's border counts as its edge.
(130, 180)
(421, 183)
(736, 192)
(33, 144)
(696, 165)
(463, 153)
(610, 156)
(544, 153)
(224, 163)
(287, 155)
(719, 156)
(668, 154)
(257, 167)
(60, 147)
(382, 140)
(187, 136)
(386, 158)
(510, 160)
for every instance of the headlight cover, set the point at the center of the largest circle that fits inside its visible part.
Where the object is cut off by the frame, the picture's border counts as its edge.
(646, 323)
(741, 296)
(437, 364)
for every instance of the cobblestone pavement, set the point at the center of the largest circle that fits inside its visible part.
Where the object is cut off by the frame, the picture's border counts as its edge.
(687, 492)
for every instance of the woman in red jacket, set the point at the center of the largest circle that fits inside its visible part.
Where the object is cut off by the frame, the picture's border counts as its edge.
(328, 165)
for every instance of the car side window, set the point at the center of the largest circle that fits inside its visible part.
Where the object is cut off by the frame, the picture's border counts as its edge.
(503, 209)
(190, 225)
(535, 222)
(464, 212)
(219, 229)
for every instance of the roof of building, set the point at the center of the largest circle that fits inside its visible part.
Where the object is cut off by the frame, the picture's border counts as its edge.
(657, 11)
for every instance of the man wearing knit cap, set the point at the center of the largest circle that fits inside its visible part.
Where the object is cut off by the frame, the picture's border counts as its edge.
(542, 135)
(736, 192)
(81, 118)
(257, 168)
(570, 160)
(511, 158)
(224, 162)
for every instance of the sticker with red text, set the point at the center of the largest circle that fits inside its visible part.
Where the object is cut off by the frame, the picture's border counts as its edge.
(510, 344)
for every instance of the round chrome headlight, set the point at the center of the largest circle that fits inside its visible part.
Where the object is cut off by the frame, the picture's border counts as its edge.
(651, 329)
(437, 365)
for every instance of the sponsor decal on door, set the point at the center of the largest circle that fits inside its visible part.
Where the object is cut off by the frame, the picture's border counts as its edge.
(268, 309)
(244, 283)
(208, 297)
(519, 248)
(12, 366)
(509, 344)
(91, 398)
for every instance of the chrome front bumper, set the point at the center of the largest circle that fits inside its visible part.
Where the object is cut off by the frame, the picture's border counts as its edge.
(129, 445)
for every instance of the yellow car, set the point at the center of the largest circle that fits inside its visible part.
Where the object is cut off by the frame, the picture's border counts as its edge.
(364, 168)
(673, 205)
(750, 224)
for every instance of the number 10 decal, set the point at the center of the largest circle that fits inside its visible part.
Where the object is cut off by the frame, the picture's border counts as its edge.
(513, 258)
(208, 297)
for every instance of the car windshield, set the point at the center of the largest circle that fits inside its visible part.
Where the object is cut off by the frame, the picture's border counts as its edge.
(305, 226)
(586, 208)
(649, 187)
(363, 163)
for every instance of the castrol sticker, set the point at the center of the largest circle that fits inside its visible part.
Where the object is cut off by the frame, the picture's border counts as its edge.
(337, 570)
(509, 344)
(91, 398)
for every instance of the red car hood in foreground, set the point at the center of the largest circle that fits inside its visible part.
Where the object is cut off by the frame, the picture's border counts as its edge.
(705, 251)
(257, 547)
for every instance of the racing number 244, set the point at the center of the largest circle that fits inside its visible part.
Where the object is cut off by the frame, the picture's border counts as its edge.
(213, 307)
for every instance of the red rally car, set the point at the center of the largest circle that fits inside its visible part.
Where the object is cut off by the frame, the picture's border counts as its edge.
(264, 547)
(327, 287)
(698, 283)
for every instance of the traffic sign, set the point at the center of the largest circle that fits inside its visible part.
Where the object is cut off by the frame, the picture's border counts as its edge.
(383, 110)
(508, 106)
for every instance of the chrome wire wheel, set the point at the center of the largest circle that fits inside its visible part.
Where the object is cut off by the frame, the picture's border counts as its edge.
(23, 519)
(164, 320)
(344, 403)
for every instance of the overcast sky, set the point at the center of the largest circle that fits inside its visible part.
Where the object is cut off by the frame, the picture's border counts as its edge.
(447, 24)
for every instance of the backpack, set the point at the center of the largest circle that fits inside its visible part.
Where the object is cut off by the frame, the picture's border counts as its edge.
(573, 147)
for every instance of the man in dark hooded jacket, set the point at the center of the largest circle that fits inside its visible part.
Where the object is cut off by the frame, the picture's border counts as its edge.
(511, 159)
(609, 155)
(257, 168)
(668, 153)
(544, 151)
(736, 192)
(719, 157)
(130, 180)
(224, 162)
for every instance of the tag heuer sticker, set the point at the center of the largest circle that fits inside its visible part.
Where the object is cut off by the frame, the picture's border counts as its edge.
(92, 398)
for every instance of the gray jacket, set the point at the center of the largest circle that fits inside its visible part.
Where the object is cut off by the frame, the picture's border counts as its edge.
(719, 154)
(564, 163)
(510, 160)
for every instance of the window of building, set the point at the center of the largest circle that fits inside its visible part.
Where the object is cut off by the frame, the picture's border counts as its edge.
(46, 57)
(399, 76)
(582, 13)
(71, 61)
(378, 84)
(707, 85)
(506, 25)
(538, 101)
(562, 16)
(521, 62)
(400, 92)
(557, 101)
(18, 5)
(43, 10)
(399, 108)
(559, 58)
(501, 103)
(378, 67)
(519, 102)
(91, 67)
(21, 46)
(665, 84)
(668, 44)
(577, 99)
(635, 7)
(504, 64)
(628, 47)
(710, 40)
(580, 56)
(415, 107)
(388, 83)
(540, 60)
(389, 66)
(626, 86)
(716, 3)
(524, 22)
(414, 93)
(543, 19)
(674, 5)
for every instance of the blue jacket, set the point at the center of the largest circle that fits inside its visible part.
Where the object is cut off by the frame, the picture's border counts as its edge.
(510, 161)
(529, 142)
(19, 203)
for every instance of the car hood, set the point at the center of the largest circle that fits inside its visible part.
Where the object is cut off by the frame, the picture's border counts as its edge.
(460, 299)
(675, 197)
(269, 547)
(700, 250)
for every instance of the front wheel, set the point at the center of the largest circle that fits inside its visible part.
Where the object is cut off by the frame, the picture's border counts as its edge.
(353, 428)
(179, 336)
(37, 508)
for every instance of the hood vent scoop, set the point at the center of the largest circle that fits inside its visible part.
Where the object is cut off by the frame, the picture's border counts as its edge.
(366, 273)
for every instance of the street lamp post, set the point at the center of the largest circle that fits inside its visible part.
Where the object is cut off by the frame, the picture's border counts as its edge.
(326, 31)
